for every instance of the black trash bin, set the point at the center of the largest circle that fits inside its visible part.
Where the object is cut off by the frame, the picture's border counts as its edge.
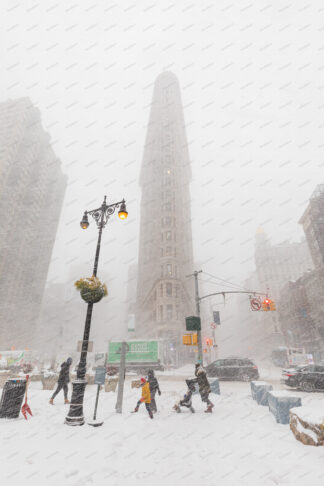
(12, 397)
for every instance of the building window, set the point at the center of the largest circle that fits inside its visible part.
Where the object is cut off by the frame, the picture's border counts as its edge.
(177, 291)
(161, 236)
(175, 271)
(169, 289)
(175, 252)
(161, 270)
(168, 251)
(169, 269)
(168, 235)
(161, 252)
(169, 311)
(161, 312)
(167, 206)
(154, 316)
(161, 290)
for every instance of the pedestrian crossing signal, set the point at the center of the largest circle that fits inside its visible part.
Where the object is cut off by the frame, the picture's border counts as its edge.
(194, 339)
(190, 339)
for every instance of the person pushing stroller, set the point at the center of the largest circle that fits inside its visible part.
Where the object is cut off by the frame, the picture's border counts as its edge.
(204, 387)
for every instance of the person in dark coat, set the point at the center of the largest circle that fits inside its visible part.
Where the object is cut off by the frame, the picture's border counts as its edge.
(63, 380)
(154, 387)
(204, 388)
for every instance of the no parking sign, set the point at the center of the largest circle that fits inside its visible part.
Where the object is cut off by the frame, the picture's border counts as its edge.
(255, 304)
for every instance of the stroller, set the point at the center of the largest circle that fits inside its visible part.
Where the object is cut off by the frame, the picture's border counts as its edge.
(187, 399)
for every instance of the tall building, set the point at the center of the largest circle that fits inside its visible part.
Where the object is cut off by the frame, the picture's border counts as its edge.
(313, 225)
(32, 188)
(277, 264)
(301, 313)
(164, 294)
(302, 307)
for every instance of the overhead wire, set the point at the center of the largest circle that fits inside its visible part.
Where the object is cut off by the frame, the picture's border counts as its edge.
(218, 284)
(226, 281)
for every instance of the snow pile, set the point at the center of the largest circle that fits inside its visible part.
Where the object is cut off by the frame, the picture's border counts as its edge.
(238, 444)
(307, 424)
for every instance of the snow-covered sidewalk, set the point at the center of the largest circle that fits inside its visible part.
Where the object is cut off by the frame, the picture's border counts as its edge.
(239, 444)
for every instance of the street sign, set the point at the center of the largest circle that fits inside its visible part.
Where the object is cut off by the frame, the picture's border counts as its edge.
(100, 359)
(193, 323)
(216, 317)
(100, 375)
(131, 322)
(90, 346)
(255, 304)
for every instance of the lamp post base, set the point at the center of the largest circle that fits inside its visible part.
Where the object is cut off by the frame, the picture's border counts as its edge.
(75, 415)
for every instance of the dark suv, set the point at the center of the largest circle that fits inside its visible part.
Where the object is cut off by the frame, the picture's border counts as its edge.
(233, 369)
(308, 378)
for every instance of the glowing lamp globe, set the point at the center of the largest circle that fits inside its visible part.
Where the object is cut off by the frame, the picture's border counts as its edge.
(122, 213)
(84, 223)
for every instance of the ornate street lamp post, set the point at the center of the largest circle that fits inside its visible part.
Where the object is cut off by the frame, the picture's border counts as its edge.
(101, 216)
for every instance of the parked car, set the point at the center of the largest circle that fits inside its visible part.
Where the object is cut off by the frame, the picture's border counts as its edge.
(233, 369)
(307, 378)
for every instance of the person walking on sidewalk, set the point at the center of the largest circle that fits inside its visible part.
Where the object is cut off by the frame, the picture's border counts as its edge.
(63, 380)
(154, 387)
(204, 387)
(146, 397)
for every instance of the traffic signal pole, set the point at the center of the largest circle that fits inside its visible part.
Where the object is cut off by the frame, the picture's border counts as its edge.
(199, 340)
(198, 299)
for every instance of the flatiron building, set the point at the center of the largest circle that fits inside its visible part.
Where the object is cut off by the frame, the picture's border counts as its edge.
(164, 293)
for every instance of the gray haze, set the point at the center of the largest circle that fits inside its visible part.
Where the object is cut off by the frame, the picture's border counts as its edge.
(252, 85)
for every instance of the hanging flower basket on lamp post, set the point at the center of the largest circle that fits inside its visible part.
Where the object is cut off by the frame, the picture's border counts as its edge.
(91, 289)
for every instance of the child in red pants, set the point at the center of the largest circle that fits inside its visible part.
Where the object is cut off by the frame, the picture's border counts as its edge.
(146, 397)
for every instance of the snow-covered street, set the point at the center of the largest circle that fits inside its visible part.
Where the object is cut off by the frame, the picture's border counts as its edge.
(239, 444)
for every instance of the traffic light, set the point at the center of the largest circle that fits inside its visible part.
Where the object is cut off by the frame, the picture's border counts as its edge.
(273, 306)
(266, 304)
(186, 339)
(190, 339)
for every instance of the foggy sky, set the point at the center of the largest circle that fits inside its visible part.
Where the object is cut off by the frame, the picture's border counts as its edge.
(252, 84)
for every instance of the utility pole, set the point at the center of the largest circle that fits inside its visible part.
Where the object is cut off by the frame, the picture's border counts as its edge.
(122, 367)
(199, 340)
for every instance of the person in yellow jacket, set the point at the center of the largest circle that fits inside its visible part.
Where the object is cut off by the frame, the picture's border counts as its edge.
(146, 397)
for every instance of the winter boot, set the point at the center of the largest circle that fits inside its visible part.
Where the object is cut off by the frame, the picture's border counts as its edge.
(177, 408)
(136, 409)
(51, 401)
(150, 414)
(192, 410)
(66, 401)
(209, 408)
